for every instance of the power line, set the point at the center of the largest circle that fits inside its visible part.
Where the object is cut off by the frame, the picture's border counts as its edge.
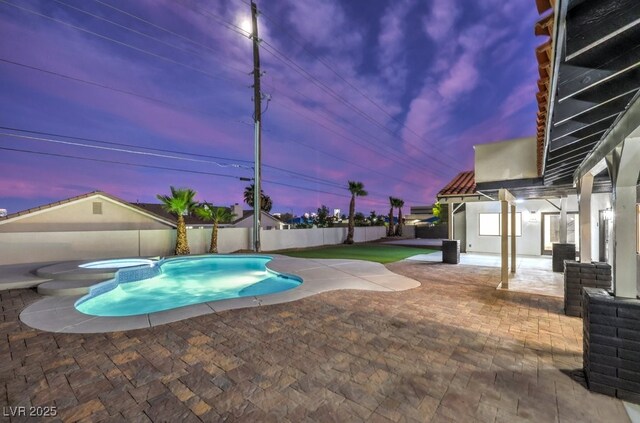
(99, 141)
(68, 156)
(127, 92)
(100, 85)
(101, 36)
(236, 165)
(168, 31)
(121, 43)
(153, 99)
(335, 72)
(230, 26)
(290, 63)
(308, 178)
(122, 150)
(395, 156)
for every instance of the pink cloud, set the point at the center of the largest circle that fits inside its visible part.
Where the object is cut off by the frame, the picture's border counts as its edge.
(440, 22)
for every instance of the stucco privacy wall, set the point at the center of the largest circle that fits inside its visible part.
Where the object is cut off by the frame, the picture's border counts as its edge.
(31, 247)
(520, 153)
(530, 243)
(79, 216)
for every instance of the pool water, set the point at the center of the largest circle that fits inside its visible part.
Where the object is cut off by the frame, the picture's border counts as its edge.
(178, 282)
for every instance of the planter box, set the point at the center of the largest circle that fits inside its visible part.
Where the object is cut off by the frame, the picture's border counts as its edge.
(451, 251)
(583, 275)
(611, 351)
(560, 253)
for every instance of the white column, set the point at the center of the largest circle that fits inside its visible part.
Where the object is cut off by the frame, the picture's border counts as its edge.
(563, 220)
(584, 207)
(450, 207)
(625, 270)
(504, 244)
(513, 238)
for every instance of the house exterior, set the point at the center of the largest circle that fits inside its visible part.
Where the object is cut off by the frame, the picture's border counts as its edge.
(94, 211)
(100, 211)
(476, 213)
(574, 184)
(267, 221)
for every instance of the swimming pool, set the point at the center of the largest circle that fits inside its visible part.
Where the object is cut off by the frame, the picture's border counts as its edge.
(178, 282)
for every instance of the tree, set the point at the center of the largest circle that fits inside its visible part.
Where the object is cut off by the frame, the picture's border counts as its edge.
(390, 228)
(180, 204)
(322, 218)
(286, 217)
(399, 205)
(441, 211)
(360, 219)
(357, 190)
(217, 215)
(373, 217)
(265, 201)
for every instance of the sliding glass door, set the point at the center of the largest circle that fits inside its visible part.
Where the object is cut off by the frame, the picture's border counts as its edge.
(551, 230)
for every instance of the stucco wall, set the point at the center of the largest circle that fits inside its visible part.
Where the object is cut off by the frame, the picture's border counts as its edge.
(530, 243)
(531, 240)
(78, 216)
(520, 153)
(31, 247)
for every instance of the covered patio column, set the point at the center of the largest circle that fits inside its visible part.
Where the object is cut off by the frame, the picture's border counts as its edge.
(505, 198)
(563, 221)
(513, 238)
(624, 167)
(450, 220)
(585, 189)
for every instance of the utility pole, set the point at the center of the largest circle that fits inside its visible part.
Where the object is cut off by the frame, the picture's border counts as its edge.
(257, 119)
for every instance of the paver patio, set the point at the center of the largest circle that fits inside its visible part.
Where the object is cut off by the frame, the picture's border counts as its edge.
(454, 349)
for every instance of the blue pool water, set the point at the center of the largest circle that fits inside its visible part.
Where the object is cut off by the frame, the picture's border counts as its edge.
(178, 282)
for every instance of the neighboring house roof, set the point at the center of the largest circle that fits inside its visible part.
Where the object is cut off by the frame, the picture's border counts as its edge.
(43, 208)
(249, 213)
(159, 210)
(463, 184)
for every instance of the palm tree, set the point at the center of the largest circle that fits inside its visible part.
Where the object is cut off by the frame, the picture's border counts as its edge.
(217, 215)
(399, 205)
(357, 190)
(390, 230)
(265, 201)
(180, 203)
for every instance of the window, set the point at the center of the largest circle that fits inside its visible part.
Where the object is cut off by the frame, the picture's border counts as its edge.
(490, 224)
(97, 208)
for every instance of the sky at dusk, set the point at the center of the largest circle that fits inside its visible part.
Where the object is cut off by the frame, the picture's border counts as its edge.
(390, 93)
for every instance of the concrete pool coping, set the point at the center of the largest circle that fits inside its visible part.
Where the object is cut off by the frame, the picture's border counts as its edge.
(58, 314)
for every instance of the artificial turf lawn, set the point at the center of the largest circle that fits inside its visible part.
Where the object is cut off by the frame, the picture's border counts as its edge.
(378, 253)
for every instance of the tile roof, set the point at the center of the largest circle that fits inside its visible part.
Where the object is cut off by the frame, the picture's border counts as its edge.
(463, 184)
(544, 27)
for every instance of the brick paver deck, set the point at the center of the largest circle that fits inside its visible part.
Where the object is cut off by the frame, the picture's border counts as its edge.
(454, 349)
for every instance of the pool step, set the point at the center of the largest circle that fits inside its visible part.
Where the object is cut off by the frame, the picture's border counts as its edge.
(58, 288)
